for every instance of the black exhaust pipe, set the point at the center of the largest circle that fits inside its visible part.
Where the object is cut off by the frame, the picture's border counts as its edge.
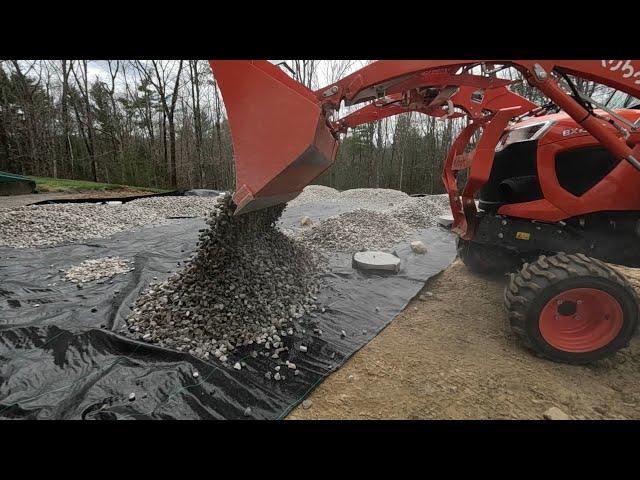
(519, 189)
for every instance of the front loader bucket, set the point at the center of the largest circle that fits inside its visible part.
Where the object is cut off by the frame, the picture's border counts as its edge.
(281, 141)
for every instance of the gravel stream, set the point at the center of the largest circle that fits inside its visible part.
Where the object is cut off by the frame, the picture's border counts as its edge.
(245, 284)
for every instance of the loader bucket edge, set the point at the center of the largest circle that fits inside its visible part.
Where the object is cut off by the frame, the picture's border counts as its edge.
(280, 137)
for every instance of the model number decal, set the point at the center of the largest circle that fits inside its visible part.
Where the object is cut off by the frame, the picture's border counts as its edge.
(624, 67)
(573, 131)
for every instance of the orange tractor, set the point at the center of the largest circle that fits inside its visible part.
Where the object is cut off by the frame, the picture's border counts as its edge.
(549, 191)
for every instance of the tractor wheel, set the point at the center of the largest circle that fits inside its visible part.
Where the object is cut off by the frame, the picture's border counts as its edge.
(482, 258)
(571, 308)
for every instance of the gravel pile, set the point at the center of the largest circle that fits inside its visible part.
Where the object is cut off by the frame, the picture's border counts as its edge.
(176, 207)
(97, 269)
(244, 285)
(373, 198)
(420, 212)
(380, 219)
(41, 225)
(315, 193)
(356, 230)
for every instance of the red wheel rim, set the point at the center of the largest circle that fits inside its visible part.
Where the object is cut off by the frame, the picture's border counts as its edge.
(581, 320)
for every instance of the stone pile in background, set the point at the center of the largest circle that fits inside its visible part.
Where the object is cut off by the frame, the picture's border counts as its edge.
(47, 225)
(381, 217)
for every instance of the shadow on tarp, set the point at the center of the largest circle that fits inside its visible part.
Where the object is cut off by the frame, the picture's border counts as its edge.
(61, 360)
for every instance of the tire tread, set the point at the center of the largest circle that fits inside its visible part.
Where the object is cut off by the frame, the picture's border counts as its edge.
(524, 287)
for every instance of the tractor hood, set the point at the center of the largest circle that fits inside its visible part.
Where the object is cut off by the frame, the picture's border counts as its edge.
(554, 127)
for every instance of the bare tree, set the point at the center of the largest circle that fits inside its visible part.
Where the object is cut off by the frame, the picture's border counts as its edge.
(194, 79)
(85, 122)
(161, 75)
(306, 71)
(163, 124)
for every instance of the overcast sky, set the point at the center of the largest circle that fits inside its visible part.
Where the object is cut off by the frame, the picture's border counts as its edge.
(99, 69)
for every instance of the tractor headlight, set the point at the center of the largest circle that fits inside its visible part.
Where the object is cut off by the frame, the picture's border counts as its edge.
(524, 133)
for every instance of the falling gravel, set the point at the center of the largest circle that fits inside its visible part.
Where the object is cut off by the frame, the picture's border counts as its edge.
(47, 225)
(97, 269)
(245, 284)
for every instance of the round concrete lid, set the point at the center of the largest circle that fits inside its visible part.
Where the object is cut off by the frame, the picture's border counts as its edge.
(372, 260)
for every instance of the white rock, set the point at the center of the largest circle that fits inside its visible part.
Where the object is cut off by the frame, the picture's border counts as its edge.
(445, 220)
(554, 413)
(418, 247)
(303, 348)
(306, 404)
(306, 221)
(237, 366)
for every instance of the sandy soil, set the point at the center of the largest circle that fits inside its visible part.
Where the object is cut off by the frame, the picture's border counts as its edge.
(453, 356)
(15, 201)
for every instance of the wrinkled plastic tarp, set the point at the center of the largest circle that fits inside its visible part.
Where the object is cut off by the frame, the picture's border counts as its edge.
(61, 360)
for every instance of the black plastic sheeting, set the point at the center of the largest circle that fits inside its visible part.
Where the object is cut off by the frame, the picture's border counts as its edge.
(61, 360)
(174, 193)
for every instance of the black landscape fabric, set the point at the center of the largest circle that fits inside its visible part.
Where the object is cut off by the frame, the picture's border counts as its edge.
(62, 356)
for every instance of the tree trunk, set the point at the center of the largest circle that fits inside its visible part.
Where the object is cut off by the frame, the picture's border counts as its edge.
(172, 153)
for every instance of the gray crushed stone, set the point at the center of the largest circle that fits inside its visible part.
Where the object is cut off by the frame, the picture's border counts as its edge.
(420, 212)
(97, 269)
(245, 284)
(381, 218)
(47, 225)
(356, 230)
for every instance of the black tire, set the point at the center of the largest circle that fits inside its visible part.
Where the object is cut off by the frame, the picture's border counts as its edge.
(490, 259)
(530, 290)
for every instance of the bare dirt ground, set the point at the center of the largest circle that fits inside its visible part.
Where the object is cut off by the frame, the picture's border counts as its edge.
(15, 201)
(453, 356)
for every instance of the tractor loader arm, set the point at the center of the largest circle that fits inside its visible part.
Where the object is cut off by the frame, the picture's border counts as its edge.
(285, 135)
